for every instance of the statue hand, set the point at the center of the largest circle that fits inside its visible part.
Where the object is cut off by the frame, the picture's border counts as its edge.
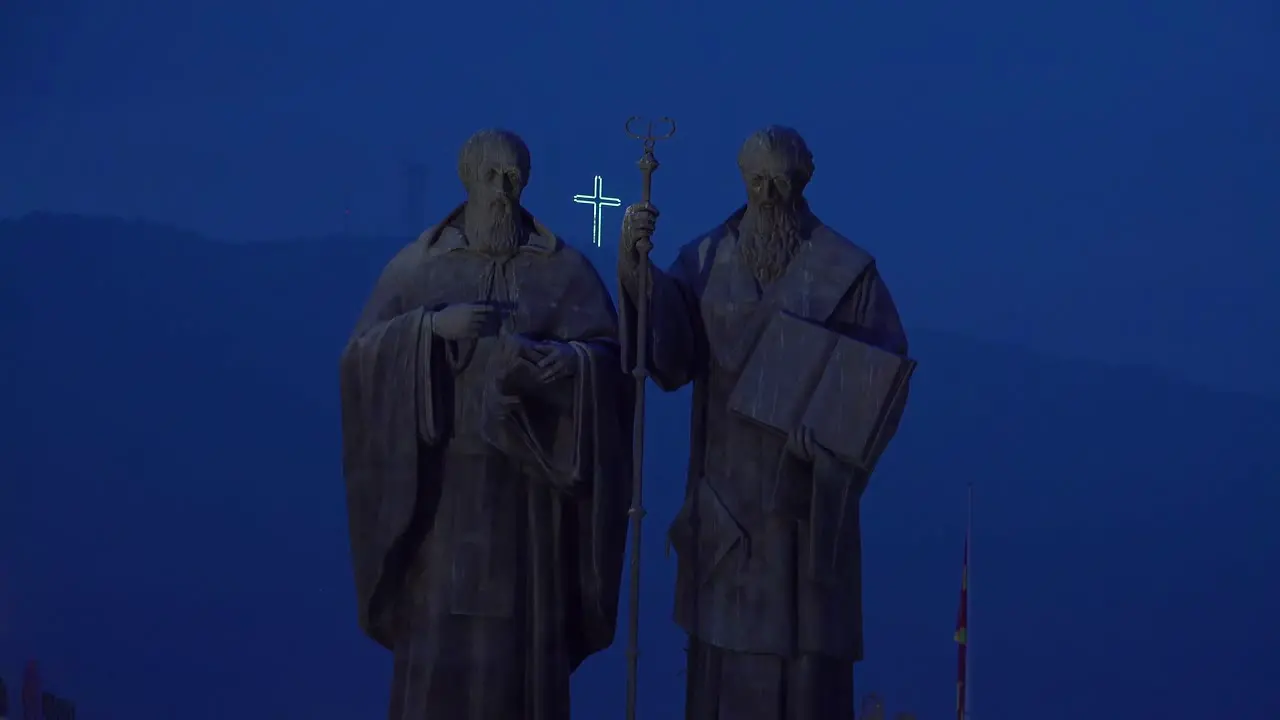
(801, 445)
(558, 361)
(513, 364)
(518, 347)
(464, 321)
(639, 221)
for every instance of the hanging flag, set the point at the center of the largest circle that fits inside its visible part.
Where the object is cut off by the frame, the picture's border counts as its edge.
(31, 692)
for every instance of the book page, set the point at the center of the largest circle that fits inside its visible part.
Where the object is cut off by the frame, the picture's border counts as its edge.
(778, 380)
(859, 383)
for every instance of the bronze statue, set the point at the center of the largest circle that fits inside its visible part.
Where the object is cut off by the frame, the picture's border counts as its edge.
(798, 364)
(486, 437)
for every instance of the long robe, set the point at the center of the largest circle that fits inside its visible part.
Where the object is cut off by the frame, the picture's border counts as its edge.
(487, 531)
(769, 637)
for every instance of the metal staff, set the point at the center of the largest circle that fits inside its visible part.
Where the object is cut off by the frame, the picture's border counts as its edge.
(647, 164)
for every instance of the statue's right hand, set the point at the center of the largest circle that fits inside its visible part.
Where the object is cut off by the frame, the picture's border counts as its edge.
(638, 222)
(463, 321)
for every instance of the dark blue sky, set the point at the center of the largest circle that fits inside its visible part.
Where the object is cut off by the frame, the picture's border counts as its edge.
(1093, 179)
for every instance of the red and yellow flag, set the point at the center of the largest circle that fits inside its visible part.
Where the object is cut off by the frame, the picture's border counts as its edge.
(962, 636)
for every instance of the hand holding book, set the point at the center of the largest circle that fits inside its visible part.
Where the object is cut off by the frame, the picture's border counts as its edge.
(827, 389)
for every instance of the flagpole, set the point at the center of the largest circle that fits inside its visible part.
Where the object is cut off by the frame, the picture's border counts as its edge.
(962, 625)
(968, 602)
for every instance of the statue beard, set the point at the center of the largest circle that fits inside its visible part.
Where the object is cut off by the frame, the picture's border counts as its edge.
(768, 238)
(493, 228)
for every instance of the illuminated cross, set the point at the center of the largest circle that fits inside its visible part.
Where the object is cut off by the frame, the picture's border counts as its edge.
(597, 200)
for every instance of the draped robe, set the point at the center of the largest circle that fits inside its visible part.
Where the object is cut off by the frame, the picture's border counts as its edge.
(769, 639)
(486, 530)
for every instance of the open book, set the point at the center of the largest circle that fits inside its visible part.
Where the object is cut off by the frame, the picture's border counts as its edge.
(841, 389)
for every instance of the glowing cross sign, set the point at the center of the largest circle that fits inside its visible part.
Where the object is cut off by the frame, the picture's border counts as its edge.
(597, 200)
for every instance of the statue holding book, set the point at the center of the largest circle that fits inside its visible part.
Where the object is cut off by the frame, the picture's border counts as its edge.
(800, 373)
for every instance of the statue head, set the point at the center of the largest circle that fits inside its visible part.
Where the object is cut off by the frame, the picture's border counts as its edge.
(494, 169)
(776, 166)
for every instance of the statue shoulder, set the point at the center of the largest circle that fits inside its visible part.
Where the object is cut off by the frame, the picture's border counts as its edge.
(838, 251)
(839, 245)
(697, 255)
(571, 260)
(428, 237)
(438, 238)
(405, 265)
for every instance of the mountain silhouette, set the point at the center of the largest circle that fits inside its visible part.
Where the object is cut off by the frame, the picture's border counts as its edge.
(173, 531)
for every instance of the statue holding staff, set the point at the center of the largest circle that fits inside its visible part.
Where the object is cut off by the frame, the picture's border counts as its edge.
(797, 359)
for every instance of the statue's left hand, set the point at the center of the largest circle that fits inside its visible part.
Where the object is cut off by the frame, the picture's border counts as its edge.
(801, 445)
(558, 361)
(519, 347)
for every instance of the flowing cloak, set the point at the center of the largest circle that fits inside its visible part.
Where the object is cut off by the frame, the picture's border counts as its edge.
(743, 582)
(406, 401)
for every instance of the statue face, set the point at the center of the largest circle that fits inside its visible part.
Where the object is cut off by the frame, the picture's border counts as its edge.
(497, 171)
(770, 228)
(499, 176)
(776, 166)
(771, 180)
